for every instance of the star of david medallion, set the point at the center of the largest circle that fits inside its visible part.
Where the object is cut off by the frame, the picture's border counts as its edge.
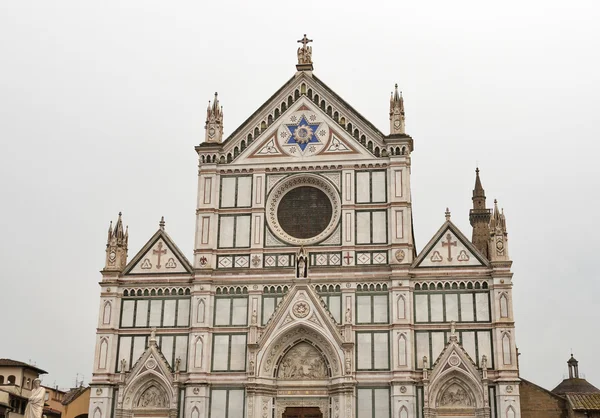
(301, 134)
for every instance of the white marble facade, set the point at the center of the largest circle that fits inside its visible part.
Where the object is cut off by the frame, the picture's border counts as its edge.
(372, 328)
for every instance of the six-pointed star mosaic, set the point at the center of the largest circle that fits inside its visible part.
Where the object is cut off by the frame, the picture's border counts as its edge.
(302, 133)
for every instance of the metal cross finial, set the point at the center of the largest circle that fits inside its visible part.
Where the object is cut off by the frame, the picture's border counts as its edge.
(304, 41)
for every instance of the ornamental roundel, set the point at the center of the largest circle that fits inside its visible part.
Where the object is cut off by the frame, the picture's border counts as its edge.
(301, 309)
(302, 133)
(303, 209)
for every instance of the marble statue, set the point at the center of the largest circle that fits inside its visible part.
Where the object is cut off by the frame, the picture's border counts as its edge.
(35, 406)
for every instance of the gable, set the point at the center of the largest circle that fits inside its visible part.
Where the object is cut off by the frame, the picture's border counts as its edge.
(303, 133)
(159, 256)
(449, 248)
(301, 306)
(303, 87)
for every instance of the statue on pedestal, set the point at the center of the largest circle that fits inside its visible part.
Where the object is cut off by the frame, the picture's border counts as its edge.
(35, 406)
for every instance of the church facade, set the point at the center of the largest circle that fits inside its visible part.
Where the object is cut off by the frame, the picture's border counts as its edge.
(306, 296)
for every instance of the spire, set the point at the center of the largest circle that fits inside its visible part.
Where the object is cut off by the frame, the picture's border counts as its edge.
(397, 118)
(498, 243)
(304, 55)
(116, 246)
(478, 192)
(479, 217)
(214, 121)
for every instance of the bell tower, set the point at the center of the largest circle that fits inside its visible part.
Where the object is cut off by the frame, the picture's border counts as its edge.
(479, 217)
(214, 122)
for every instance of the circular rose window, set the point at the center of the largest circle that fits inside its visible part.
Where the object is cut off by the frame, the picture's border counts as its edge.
(304, 212)
(303, 209)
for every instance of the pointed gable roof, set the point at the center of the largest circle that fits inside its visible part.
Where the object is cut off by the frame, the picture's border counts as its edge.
(146, 261)
(302, 84)
(326, 140)
(288, 311)
(449, 248)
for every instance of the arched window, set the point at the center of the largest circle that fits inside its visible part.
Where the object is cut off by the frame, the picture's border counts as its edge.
(510, 412)
(201, 310)
(506, 350)
(229, 158)
(11, 379)
(403, 412)
(106, 313)
(402, 361)
(103, 354)
(198, 351)
(296, 95)
(401, 307)
(1, 380)
(503, 306)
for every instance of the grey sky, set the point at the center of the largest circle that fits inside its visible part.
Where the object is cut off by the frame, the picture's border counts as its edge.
(101, 104)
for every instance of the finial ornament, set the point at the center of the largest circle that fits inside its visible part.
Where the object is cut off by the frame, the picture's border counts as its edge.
(397, 118)
(161, 224)
(304, 55)
(447, 214)
(214, 121)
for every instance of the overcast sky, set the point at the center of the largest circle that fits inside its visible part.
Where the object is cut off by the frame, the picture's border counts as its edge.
(102, 103)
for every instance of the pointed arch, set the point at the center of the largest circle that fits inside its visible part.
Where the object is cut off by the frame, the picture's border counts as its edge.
(401, 307)
(106, 313)
(510, 412)
(402, 354)
(403, 412)
(271, 354)
(456, 392)
(97, 413)
(198, 352)
(103, 353)
(200, 315)
(503, 305)
(195, 412)
(148, 383)
(506, 349)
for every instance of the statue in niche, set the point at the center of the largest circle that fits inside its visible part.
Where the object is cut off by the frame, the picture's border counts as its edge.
(455, 396)
(302, 362)
(348, 315)
(301, 264)
(152, 398)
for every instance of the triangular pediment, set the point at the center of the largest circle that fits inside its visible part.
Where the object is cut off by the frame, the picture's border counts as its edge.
(454, 356)
(301, 306)
(150, 383)
(303, 133)
(152, 360)
(160, 255)
(450, 248)
(352, 132)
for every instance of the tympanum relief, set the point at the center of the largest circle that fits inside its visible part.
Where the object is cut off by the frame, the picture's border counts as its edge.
(152, 398)
(303, 361)
(455, 396)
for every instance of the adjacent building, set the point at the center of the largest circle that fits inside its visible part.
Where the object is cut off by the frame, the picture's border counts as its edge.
(574, 397)
(16, 383)
(306, 295)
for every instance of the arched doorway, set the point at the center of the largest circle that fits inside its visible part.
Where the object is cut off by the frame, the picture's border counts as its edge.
(300, 412)
(302, 363)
